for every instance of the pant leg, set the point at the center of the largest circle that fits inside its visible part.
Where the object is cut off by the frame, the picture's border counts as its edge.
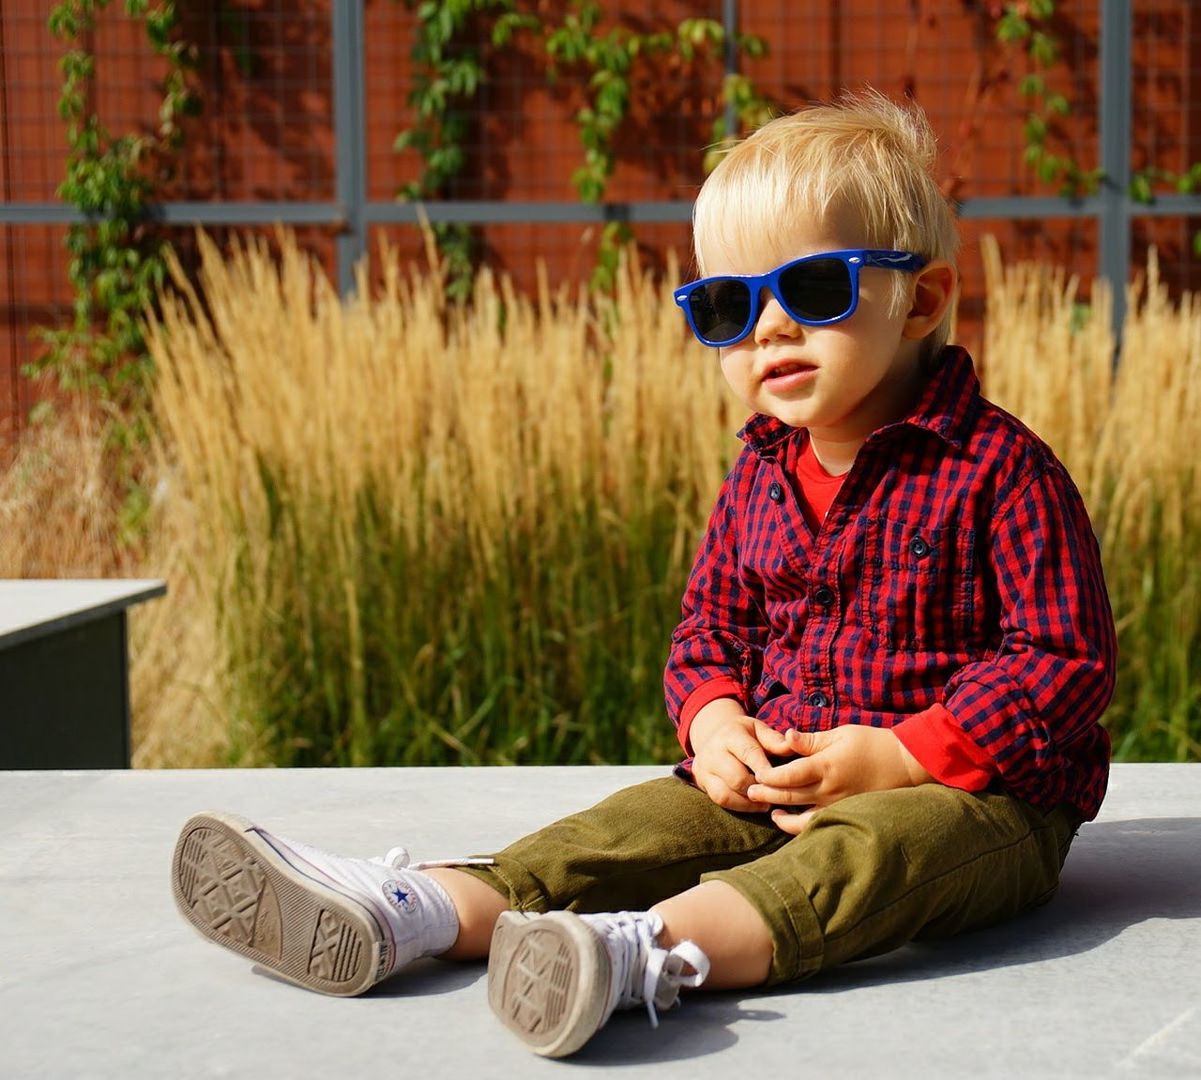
(633, 849)
(877, 870)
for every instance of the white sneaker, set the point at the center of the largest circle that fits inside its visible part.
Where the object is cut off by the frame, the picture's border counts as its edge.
(556, 979)
(325, 922)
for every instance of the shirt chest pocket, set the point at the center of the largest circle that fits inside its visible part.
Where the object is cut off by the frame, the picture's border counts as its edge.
(918, 586)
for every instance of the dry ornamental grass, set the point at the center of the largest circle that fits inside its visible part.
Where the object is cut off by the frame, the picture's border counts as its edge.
(399, 530)
(435, 532)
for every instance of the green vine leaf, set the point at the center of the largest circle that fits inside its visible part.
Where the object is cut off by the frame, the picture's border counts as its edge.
(1043, 48)
(1032, 86)
(1140, 188)
(1012, 27)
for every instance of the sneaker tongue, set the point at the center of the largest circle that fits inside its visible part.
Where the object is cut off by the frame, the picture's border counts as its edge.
(397, 858)
(684, 965)
(641, 971)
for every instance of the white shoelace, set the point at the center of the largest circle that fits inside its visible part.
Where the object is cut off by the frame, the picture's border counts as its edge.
(642, 972)
(398, 859)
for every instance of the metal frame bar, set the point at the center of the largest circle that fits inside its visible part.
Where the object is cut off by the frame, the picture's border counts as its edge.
(350, 139)
(729, 22)
(186, 213)
(489, 212)
(1114, 120)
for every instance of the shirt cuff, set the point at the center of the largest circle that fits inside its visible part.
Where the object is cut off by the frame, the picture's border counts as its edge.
(945, 750)
(699, 698)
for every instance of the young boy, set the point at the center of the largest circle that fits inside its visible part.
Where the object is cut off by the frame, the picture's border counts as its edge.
(894, 652)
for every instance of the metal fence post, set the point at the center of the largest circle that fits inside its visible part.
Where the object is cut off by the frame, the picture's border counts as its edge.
(1114, 112)
(349, 138)
(729, 20)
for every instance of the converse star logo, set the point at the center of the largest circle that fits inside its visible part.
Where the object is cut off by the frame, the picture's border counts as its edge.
(395, 893)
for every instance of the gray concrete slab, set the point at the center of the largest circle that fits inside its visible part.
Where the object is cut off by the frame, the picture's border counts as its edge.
(100, 977)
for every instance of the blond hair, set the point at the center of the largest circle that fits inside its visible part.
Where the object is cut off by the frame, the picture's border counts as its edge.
(862, 156)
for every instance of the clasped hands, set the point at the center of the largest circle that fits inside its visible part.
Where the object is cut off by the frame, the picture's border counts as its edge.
(731, 764)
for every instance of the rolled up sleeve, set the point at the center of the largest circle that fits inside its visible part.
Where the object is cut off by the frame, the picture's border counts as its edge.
(1044, 689)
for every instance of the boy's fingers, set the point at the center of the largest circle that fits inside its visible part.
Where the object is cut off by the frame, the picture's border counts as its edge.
(792, 823)
(782, 796)
(715, 783)
(753, 756)
(728, 771)
(726, 797)
(792, 774)
(772, 741)
(807, 742)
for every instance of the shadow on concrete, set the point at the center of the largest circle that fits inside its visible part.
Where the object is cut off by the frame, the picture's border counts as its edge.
(422, 978)
(1118, 874)
(630, 1040)
(432, 977)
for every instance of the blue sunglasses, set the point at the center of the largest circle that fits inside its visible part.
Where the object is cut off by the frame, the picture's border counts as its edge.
(816, 290)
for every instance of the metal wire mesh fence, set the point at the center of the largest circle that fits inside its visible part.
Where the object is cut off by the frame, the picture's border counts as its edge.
(303, 100)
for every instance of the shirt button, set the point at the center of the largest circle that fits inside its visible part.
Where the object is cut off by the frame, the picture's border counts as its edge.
(818, 700)
(919, 547)
(775, 493)
(823, 596)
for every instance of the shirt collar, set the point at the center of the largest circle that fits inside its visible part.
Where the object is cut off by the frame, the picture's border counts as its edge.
(945, 408)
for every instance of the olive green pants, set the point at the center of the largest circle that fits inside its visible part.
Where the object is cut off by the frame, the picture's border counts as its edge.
(869, 874)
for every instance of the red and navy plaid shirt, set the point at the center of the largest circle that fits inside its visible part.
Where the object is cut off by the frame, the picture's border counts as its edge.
(954, 592)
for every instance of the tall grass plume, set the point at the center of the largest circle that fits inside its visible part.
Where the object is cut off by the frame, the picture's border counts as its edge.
(433, 532)
(1130, 434)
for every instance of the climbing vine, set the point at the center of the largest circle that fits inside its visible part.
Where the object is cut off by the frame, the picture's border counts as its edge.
(116, 255)
(607, 60)
(449, 75)
(1030, 26)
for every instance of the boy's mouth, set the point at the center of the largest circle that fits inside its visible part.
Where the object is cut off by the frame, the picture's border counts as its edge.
(789, 367)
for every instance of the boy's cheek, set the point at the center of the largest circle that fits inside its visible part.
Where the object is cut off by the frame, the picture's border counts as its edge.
(736, 368)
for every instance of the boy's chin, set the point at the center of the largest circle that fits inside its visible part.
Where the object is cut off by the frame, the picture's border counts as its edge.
(793, 417)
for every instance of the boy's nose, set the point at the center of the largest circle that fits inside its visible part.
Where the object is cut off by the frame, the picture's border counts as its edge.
(773, 321)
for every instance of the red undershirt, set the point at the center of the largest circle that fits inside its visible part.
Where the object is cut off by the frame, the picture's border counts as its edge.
(818, 487)
(933, 737)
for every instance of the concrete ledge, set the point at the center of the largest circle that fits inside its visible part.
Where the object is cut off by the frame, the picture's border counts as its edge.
(32, 609)
(100, 977)
(52, 627)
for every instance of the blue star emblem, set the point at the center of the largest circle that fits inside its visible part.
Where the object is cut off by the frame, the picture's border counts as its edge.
(397, 894)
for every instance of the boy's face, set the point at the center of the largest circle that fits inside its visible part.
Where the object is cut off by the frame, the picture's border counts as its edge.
(840, 381)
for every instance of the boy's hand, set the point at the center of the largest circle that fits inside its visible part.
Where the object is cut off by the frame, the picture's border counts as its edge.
(832, 764)
(727, 755)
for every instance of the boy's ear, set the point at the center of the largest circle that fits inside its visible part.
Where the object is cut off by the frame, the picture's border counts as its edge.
(933, 291)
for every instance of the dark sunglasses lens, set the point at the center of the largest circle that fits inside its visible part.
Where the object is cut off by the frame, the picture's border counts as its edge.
(720, 310)
(818, 289)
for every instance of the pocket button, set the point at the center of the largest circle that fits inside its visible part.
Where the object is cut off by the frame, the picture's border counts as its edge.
(919, 547)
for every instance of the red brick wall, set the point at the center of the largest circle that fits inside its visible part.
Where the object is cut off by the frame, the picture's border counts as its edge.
(267, 127)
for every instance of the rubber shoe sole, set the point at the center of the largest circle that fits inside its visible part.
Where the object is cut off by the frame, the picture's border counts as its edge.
(548, 980)
(240, 893)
